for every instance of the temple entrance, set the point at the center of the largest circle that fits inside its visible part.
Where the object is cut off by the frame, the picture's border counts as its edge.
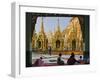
(57, 44)
(46, 43)
(74, 45)
(39, 44)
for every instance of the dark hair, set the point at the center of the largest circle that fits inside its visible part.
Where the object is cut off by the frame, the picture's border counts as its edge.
(41, 58)
(72, 54)
(80, 56)
(60, 54)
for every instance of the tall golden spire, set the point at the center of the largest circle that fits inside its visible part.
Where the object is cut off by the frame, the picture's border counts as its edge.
(74, 24)
(42, 26)
(58, 27)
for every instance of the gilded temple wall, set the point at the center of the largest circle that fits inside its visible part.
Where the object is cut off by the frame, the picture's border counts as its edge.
(68, 39)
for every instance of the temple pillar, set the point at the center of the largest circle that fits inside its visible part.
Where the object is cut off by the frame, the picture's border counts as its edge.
(30, 26)
(84, 21)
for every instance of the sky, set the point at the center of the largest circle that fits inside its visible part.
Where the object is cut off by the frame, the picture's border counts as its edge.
(51, 23)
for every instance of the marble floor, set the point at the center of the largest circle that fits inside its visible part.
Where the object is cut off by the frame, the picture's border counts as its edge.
(51, 58)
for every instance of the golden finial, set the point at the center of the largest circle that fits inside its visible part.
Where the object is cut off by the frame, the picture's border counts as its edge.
(58, 28)
(42, 26)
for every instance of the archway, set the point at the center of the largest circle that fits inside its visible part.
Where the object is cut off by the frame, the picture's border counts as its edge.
(57, 44)
(46, 43)
(39, 44)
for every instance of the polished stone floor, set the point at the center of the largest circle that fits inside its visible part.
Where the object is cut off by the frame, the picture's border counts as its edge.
(51, 58)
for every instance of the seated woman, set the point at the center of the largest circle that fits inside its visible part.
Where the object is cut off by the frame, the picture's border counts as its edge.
(72, 60)
(59, 61)
(39, 62)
